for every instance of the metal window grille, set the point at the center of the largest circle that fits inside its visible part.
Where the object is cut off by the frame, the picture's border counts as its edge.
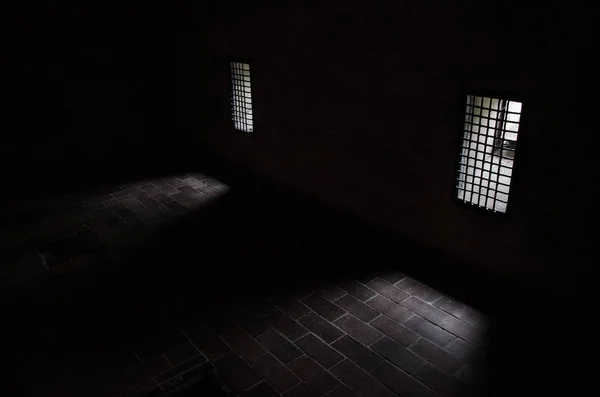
(487, 152)
(241, 97)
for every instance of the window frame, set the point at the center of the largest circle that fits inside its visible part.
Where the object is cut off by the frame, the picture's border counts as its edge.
(250, 63)
(501, 95)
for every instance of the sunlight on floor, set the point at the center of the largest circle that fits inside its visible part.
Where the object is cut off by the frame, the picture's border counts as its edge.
(112, 217)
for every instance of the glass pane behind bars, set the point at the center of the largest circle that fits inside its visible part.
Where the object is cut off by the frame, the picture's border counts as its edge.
(488, 151)
(241, 97)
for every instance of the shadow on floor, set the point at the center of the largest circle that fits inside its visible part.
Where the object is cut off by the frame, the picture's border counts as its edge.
(284, 295)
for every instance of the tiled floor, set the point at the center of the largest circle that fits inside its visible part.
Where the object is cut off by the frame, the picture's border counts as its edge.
(189, 272)
(117, 216)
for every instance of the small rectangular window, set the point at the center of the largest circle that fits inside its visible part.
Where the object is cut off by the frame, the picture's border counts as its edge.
(487, 152)
(241, 97)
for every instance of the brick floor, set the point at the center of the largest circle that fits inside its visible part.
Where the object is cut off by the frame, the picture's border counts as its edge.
(381, 334)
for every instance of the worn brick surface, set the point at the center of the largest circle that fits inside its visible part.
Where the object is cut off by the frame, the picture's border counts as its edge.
(429, 331)
(357, 308)
(357, 352)
(425, 310)
(182, 199)
(275, 373)
(208, 191)
(303, 340)
(341, 391)
(331, 291)
(193, 182)
(213, 183)
(319, 351)
(174, 181)
(398, 355)
(262, 308)
(261, 390)
(358, 329)
(400, 382)
(148, 187)
(461, 329)
(120, 208)
(363, 276)
(202, 197)
(436, 356)
(291, 306)
(248, 320)
(187, 190)
(459, 310)
(356, 289)
(439, 381)
(302, 291)
(395, 331)
(391, 276)
(243, 344)
(301, 390)
(323, 307)
(389, 308)
(388, 290)
(279, 346)
(361, 383)
(320, 327)
(238, 375)
(175, 207)
(417, 289)
(464, 350)
(468, 373)
(313, 374)
(286, 325)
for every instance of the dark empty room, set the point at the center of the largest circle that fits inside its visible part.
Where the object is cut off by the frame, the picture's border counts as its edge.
(298, 198)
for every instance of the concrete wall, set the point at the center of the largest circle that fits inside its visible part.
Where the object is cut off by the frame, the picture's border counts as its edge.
(358, 104)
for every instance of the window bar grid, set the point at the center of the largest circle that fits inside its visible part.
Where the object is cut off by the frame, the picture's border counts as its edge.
(241, 97)
(469, 151)
(477, 152)
(486, 179)
(488, 120)
(487, 152)
(502, 132)
(472, 184)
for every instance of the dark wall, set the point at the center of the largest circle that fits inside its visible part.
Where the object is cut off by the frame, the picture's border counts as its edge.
(90, 90)
(357, 105)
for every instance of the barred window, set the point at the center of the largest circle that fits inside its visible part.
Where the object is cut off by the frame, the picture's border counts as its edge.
(241, 97)
(488, 151)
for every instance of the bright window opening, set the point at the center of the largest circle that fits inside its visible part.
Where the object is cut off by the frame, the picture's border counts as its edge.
(488, 152)
(241, 97)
